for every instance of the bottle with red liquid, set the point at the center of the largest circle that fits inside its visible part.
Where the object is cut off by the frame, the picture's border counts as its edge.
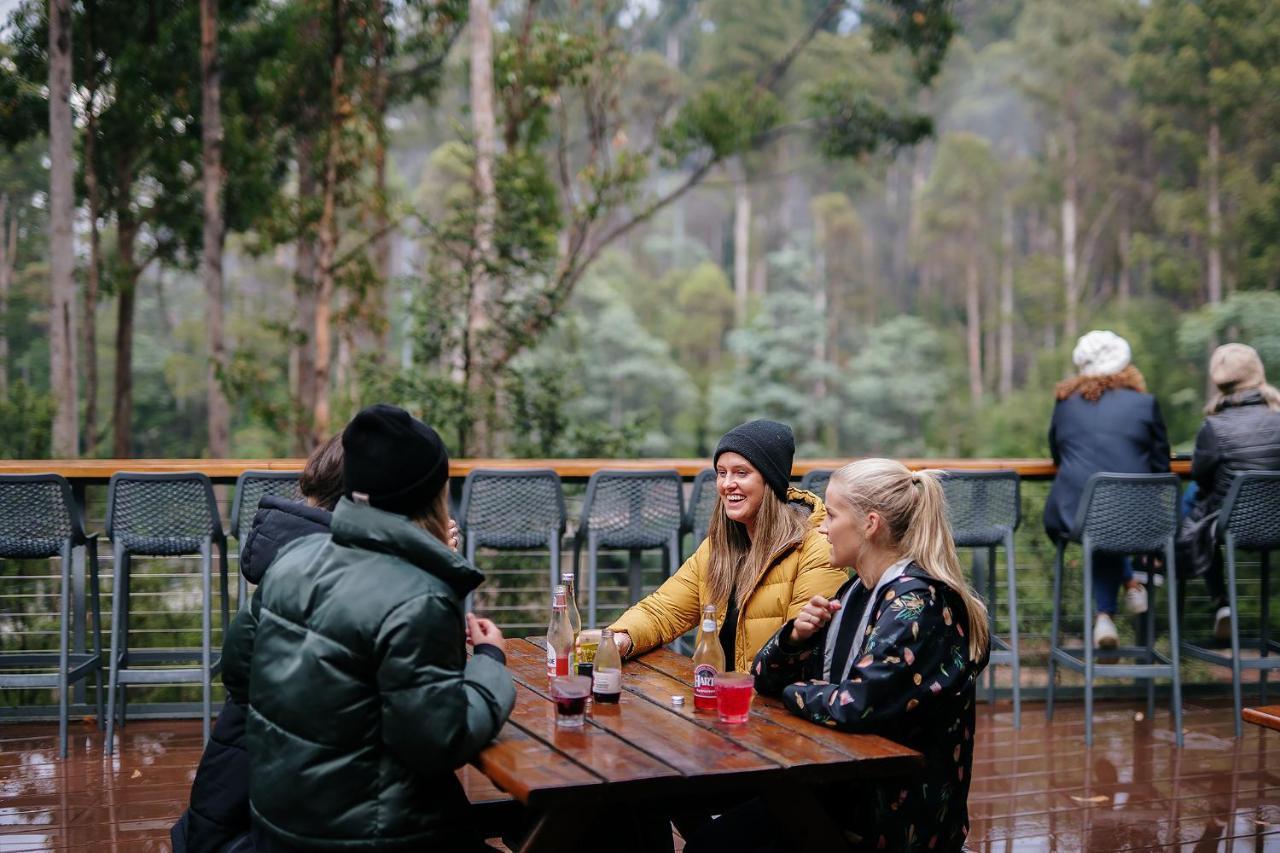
(708, 661)
(606, 683)
(559, 636)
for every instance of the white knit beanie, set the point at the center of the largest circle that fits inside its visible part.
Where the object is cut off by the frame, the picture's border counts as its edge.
(1101, 353)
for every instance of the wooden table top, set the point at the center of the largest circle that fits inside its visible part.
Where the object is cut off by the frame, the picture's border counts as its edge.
(1267, 716)
(644, 747)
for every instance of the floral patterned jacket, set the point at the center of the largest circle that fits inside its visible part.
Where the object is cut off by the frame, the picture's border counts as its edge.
(912, 682)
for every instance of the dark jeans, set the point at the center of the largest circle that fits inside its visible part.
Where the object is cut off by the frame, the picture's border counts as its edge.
(748, 828)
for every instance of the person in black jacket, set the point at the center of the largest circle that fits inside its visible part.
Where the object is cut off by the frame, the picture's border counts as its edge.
(218, 817)
(1241, 433)
(1104, 421)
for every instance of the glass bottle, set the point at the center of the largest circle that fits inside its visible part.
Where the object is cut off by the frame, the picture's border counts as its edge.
(559, 637)
(708, 661)
(606, 684)
(575, 619)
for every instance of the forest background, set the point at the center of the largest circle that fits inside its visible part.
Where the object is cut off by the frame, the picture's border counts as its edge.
(627, 225)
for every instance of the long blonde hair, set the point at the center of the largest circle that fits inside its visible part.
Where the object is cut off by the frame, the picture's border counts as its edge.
(737, 561)
(914, 509)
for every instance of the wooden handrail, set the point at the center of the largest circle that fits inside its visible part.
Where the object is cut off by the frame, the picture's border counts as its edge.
(228, 469)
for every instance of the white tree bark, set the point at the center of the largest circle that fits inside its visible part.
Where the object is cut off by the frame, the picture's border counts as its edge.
(741, 246)
(1214, 283)
(62, 314)
(486, 140)
(1006, 300)
(219, 416)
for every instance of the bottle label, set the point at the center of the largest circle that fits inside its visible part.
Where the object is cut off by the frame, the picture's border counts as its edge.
(704, 680)
(709, 625)
(557, 665)
(607, 681)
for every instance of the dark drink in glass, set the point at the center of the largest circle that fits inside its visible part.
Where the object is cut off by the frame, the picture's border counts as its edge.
(570, 696)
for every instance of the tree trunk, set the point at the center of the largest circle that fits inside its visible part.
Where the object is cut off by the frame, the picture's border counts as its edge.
(328, 231)
(1124, 247)
(1070, 189)
(1006, 300)
(973, 324)
(93, 276)
(478, 437)
(741, 245)
(8, 264)
(380, 254)
(62, 338)
(304, 282)
(122, 410)
(1215, 213)
(211, 144)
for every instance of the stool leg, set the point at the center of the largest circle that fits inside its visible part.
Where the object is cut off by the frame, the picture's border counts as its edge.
(1175, 644)
(222, 586)
(1053, 628)
(635, 569)
(113, 669)
(95, 591)
(674, 562)
(127, 583)
(555, 564)
(1264, 567)
(206, 633)
(592, 578)
(1088, 642)
(1149, 625)
(1015, 668)
(991, 618)
(469, 551)
(1230, 547)
(64, 637)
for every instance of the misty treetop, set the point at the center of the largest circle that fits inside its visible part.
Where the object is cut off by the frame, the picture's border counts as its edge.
(618, 227)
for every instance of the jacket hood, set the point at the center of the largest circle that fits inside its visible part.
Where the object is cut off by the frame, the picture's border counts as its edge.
(362, 526)
(801, 499)
(1251, 397)
(277, 523)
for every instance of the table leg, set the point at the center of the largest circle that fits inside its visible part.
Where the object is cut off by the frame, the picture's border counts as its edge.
(555, 831)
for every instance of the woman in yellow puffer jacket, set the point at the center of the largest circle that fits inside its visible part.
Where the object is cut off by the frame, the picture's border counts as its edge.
(762, 560)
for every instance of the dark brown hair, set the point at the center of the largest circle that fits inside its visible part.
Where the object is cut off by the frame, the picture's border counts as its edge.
(321, 480)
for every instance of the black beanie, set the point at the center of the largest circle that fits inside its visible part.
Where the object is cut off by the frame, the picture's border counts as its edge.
(768, 445)
(394, 458)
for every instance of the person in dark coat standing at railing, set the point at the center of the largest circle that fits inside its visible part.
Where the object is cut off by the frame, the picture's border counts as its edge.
(1104, 421)
(362, 700)
(1241, 433)
(218, 817)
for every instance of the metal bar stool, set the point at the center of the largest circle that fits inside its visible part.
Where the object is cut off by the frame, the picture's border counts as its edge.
(816, 481)
(510, 510)
(631, 510)
(1121, 514)
(39, 520)
(252, 487)
(702, 502)
(984, 508)
(163, 515)
(1249, 521)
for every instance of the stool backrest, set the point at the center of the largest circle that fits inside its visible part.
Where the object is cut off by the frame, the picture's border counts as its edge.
(37, 516)
(1251, 511)
(1128, 513)
(816, 481)
(504, 508)
(633, 509)
(252, 487)
(162, 514)
(702, 502)
(982, 506)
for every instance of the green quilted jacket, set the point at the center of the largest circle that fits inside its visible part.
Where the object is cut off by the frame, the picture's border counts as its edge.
(362, 701)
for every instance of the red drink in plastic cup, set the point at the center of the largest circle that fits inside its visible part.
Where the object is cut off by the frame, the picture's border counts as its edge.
(570, 695)
(733, 696)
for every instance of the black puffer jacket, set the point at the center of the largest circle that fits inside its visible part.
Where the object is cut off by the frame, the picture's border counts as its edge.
(219, 812)
(1243, 435)
(362, 701)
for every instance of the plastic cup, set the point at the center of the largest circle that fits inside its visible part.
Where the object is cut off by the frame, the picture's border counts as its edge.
(733, 696)
(570, 692)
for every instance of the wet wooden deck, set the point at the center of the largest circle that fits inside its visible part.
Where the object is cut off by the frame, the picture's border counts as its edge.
(1038, 789)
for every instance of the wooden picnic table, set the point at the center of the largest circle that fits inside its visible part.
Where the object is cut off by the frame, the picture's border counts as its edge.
(646, 753)
(1267, 716)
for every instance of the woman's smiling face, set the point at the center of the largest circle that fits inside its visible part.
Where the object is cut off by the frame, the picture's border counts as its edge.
(740, 486)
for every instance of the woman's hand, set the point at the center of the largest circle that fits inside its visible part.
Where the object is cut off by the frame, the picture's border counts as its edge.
(622, 640)
(481, 631)
(453, 534)
(816, 613)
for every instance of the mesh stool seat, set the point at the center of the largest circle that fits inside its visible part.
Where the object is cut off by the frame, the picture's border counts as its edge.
(162, 515)
(1121, 514)
(816, 481)
(702, 502)
(985, 508)
(633, 511)
(39, 520)
(1249, 521)
(251, 488)
(513, 510)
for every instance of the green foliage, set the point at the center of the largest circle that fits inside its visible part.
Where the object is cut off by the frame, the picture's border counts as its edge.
(724, 118)
(852, 123)
(26, 423)
(1251, 318)
(892, 388)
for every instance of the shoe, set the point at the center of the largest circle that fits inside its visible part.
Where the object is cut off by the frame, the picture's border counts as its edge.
(1222, 624)
(1104, 632)
(1135, 600)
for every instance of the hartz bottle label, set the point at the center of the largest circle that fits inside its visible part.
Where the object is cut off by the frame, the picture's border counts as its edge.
(704, 682)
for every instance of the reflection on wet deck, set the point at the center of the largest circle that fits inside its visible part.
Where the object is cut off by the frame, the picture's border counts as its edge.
(1038, 789)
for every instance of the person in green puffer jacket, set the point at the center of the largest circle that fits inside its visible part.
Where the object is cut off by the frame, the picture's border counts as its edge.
(362, 701)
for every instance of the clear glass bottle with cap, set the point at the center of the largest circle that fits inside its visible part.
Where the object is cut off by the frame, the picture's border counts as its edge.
(559, 637)
(708, 661)
(575, 618)
(606, 685)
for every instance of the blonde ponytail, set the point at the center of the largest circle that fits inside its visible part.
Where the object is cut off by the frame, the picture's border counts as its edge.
(914, 508)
